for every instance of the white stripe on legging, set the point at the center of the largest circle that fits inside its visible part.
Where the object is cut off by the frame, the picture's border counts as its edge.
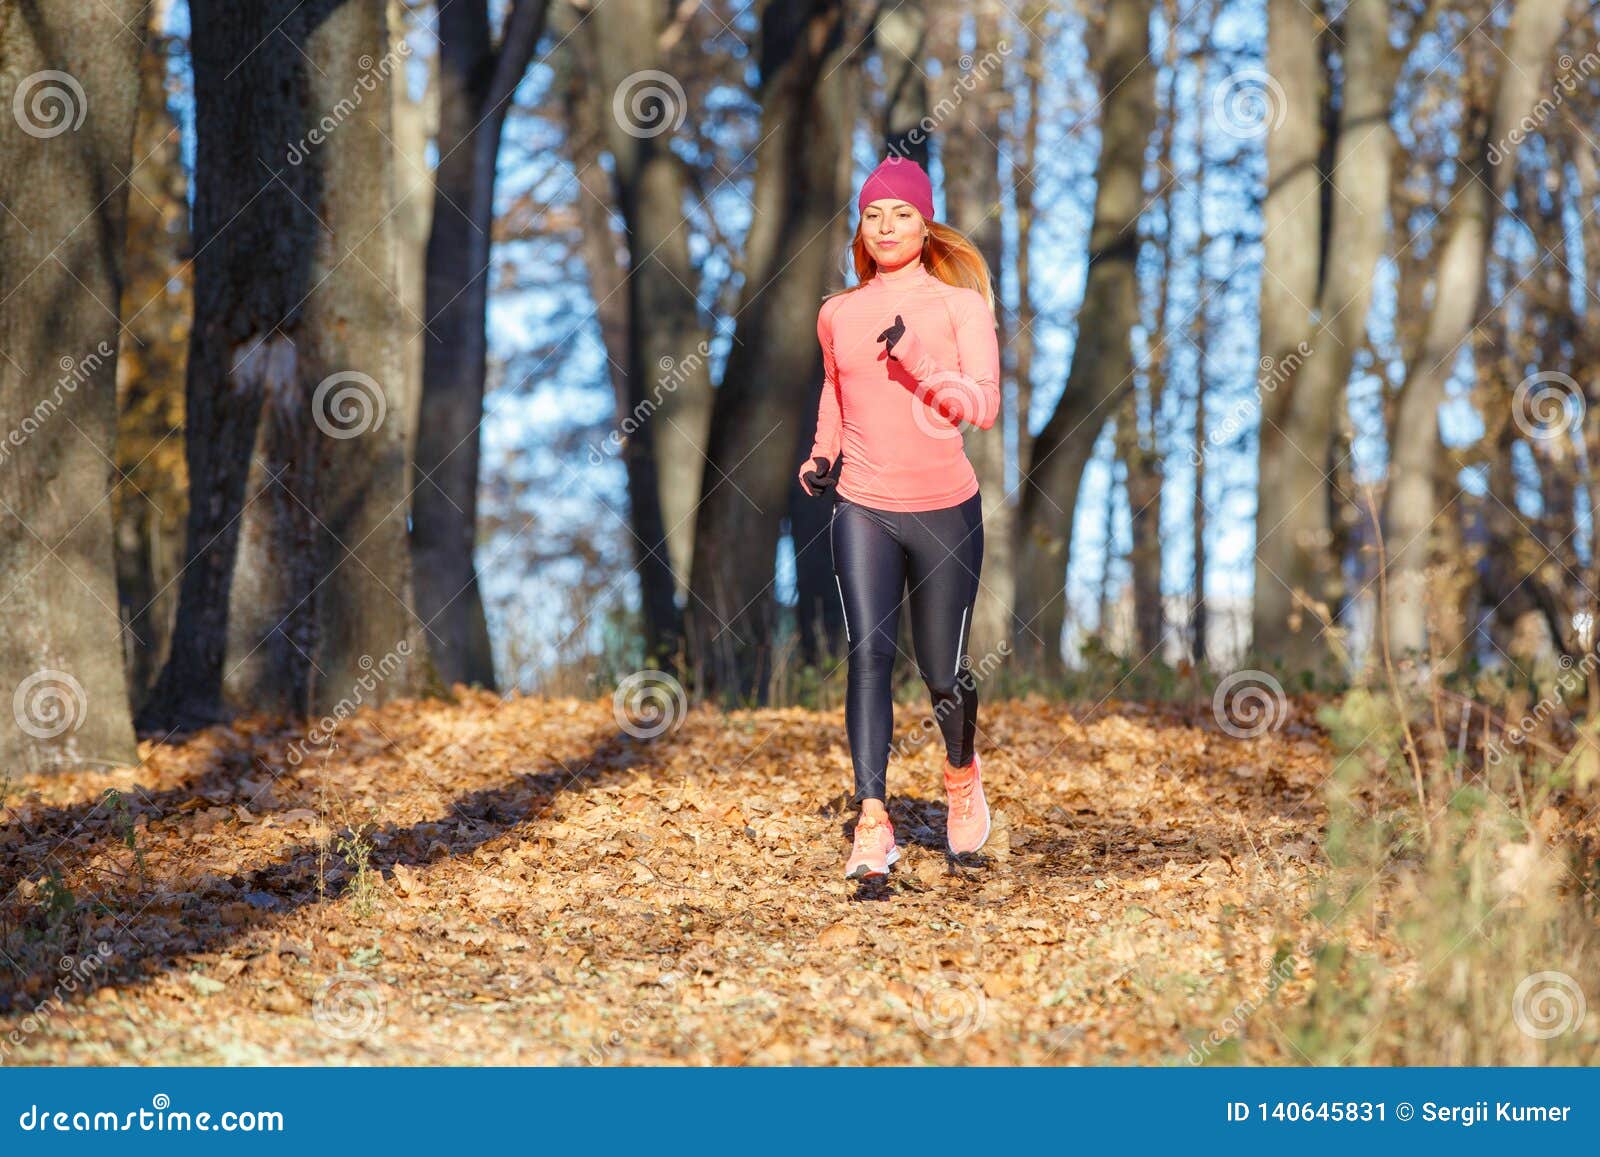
(956, 674)
(842, 610)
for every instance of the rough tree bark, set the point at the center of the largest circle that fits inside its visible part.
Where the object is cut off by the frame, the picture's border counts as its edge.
(250, 272)
(1199, 510)
(307, 631)
(294, 374)
(69, 82)
(1142, 478)
(586, 111)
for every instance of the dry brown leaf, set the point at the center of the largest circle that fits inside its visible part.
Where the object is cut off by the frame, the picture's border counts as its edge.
(838, 936)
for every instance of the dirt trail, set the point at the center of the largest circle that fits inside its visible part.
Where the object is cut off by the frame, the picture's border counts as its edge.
(538, 887)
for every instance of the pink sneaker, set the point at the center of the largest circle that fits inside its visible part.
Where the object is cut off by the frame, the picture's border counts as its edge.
(967, 823)
(874, 849)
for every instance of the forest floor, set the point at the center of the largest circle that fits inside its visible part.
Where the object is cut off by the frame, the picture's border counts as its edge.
(520, 881)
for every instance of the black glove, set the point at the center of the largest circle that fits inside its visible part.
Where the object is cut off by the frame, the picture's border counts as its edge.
(892, 334)
(820, 482)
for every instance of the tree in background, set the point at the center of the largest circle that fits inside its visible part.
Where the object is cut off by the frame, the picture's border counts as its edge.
(477, 79)
(668, 366)
(1320, 255)
(70, 90)
(152, 494)
(1102, 358)
(973, 101)
(1495, 109)
(297, 578)
(808, 96)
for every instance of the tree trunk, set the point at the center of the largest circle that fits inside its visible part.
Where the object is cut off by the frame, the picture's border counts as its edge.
(1141, 434)
(1308, 355)
(1288, 488)
(668, 362)
(476, 83)
(1417, 459)
(1199, 650)
(971, 158)
(808, 101)
(324, 569)
(294, 387)
(1025, 150)
(251, 271)
(1102, 359)
(415, 123)
(817, 608)
(900, 42)
(152, 492)
(1107, 625)
(1142, 475)
(1200, 338)
(69, 79)
(586, 110)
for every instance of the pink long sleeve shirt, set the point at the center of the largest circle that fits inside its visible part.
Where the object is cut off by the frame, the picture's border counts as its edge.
(897, 419)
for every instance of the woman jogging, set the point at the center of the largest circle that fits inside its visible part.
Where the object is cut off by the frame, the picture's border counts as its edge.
(909, 355)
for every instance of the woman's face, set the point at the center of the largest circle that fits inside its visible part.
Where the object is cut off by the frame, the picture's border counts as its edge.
(893, 231)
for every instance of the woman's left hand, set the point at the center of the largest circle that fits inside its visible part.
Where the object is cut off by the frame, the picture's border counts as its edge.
(892, 334)
(903, 345)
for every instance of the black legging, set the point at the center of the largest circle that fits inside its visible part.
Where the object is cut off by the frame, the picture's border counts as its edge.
(875, 552)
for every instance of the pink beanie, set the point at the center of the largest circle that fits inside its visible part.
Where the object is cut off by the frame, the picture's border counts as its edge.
(899, 179)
